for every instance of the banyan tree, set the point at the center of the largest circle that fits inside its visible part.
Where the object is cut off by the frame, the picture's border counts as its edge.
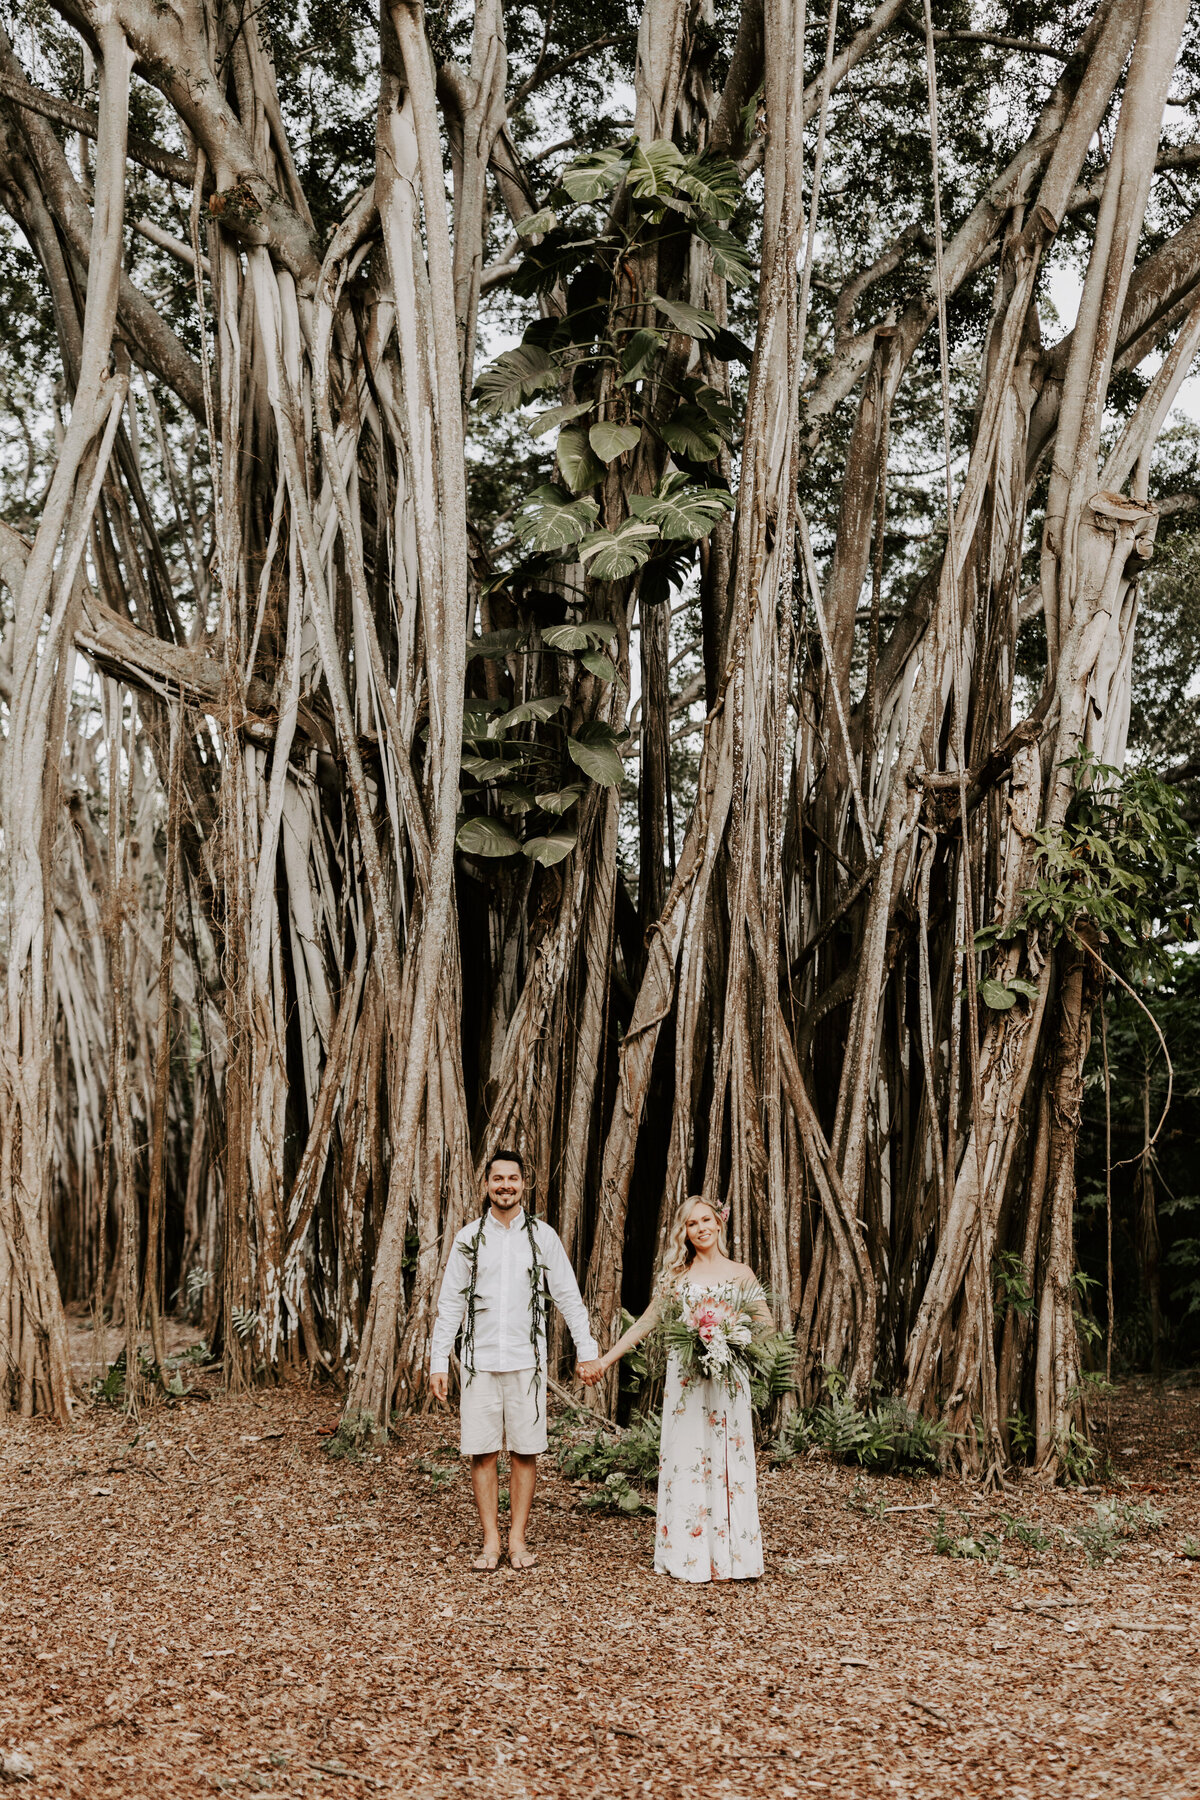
(566, 585)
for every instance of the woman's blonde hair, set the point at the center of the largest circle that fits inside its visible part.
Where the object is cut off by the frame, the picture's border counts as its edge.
(680, 1251)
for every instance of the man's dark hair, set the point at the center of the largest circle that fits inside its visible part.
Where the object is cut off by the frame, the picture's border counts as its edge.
(512, 1156)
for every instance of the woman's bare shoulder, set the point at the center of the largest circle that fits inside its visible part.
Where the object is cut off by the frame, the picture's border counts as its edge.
(743, 1272)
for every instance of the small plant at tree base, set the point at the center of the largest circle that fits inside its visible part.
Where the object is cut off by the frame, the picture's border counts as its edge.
(1021, 1435)
(617, 1496)
(1190, 1549)
(1076, 1459)
(353, 1438)
(633, 1454)
(884, 1437)
(441, 1475)
(983, 1546)
(110, 1388)
(1030, 1537)
(1114, 1525)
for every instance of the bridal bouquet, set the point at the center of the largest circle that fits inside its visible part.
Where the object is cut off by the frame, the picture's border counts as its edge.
(719, 1337)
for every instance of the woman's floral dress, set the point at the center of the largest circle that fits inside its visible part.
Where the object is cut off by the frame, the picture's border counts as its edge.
(706, 1526)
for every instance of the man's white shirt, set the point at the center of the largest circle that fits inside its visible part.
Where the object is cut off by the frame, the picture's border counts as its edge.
(503, 1337)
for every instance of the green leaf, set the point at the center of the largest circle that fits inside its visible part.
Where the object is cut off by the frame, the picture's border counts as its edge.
(581, 636)
(548, 520)
(713, 183)
(579, 467)
(590, 176)
(615, 554)
(514, 378)
(693, 321)
(655, 169)
(550, 849)
(639, 353)
(484, 836)
(682, 510)
(610, 441)
(1019, 985)
(996, 995)
(555, 416)
(601, 666)
(487, 768)
(516, 799)
(731, 259)
(594, 751)
(535, 711)
(537, 222)
(494, 644)
(691, 433)
(560, 800)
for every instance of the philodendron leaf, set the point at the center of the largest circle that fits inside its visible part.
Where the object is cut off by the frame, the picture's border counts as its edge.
(610, 441)
(537, 222)
(655, 169)
(561, 800)
(731, 259)
(579, 467)
(691, 433)
(579, 637)
(537, 710)
(601, 666)
(713, 183)
(514, 378)
(594, 750)
(548, 520)
(488, 768)
(611, 555)
(1029, 989)
(550, 849)
(516, 799)
(497, 643)
(590, 176)
(484, 836)
(639, 353)
(693, 321)
(997, 995)
(556, 416)
(681, 510)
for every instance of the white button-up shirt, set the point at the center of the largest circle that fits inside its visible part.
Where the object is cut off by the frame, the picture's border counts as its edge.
(503, 1336)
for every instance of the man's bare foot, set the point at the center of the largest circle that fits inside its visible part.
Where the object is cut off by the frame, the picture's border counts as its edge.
(488, 1560)
(522, 1557)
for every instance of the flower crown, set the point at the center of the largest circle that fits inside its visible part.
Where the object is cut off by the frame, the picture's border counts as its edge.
(722, 1213)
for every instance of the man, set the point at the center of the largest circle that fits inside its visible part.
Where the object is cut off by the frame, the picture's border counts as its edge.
(495, 1288)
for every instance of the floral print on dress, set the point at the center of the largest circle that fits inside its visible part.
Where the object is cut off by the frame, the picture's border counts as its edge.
(707, 1517)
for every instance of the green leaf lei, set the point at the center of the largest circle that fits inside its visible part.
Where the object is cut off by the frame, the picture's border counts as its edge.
(537, 1286)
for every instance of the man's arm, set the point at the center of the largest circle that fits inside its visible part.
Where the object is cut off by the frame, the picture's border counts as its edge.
(564, 1291)
(452, 1304)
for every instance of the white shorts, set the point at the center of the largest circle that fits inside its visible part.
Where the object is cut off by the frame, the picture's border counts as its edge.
(494, 1407)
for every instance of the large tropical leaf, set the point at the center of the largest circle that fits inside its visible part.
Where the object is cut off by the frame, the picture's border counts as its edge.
(731, 259)
(579, 467)
(590, 176)
(492, 644)
(535, 223)
(550, 849)
(485, 836)
(560, 800)
(549, 520)
(535, 711)
(693, 321)
(610, 441)
(691, 433)
(579, 637)
(681, 510)
(713, 184)
(654, 169)
(556, 416)
(594, 750)
(614, 554)
(514, 378)
(639, 353)
(599, 665)
(489, 768)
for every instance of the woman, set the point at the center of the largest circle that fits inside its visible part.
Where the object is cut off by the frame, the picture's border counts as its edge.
(706, 1527)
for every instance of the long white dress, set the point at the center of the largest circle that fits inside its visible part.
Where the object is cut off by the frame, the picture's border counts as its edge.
(706, 1525)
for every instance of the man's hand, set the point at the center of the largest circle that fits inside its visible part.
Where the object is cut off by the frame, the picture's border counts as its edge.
(439, 1386)
(591, 1372)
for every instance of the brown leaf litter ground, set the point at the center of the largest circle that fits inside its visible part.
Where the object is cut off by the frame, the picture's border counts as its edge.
(208, 1603)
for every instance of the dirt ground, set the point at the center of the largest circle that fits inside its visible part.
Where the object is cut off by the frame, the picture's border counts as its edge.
(208, 1602)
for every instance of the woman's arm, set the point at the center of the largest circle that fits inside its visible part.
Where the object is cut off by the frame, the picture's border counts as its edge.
(757, 1300)
(637, 1331)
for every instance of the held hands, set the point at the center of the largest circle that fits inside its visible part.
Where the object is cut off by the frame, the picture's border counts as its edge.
(592, 1372)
